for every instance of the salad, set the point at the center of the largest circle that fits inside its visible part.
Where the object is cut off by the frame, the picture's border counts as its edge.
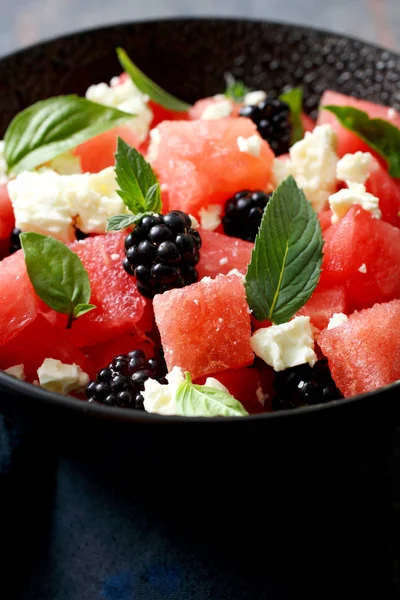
(225, 258)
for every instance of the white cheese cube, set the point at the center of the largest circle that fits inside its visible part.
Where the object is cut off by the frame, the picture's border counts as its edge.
(251, 145)
(343, 200)
(354, 167)
(337, 319)
(58, 377)
(218, 110)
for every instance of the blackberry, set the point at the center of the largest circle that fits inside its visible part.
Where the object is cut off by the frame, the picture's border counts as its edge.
(243, 214)
(122, 382)
(162, 253)
(272, 118)
(15, 242)
(304, 386)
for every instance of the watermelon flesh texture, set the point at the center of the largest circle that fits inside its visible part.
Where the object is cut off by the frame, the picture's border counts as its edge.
(37, 341)
(102, 354)
(120, 307)
(7, 221)
(387, 189)
(220, 254)
(364, 353)
(199, 162)
(98, 153)
(356, 240)
(349, 142)
(323, 304)
(205, 327)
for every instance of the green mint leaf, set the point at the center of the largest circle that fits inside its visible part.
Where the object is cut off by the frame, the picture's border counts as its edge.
(203, 401)
(294, 99)
(380, 135)
(118, 222)
(147, 86)
(51, 127)
(235, 89)
(57, 274)
(286, 260)
(139, 187)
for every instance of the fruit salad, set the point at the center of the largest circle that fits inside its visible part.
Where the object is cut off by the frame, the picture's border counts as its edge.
(223, 258)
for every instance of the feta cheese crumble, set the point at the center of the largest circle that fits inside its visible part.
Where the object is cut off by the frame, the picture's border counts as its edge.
(128, 98)
(154, 145)
(210, 217)
(354, 167)
(286, 345)
(54, 204)
(3, 165)
(336, 320)
(343, 200)
(363, 268)
(17, 371)
(251, 145)
(218, 110)
(58, 377)
(253, 98)
(312, 163)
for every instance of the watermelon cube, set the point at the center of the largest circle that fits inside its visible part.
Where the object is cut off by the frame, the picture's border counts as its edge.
(205, 327)
(98, 153)
(387, 189)
(364, 352)
(220, 254)
(324, 302)
(7, 220)
(102, 354)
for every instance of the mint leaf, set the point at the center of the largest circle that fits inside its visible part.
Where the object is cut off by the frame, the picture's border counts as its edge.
(57, 275)
(380, 135)
(51, 127)
(286, 260)
(118, 222)
(235, 89)
(294, 99)
(147, 86)
(203, 401)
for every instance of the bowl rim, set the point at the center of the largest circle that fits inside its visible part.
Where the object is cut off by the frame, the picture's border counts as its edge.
(93, 409)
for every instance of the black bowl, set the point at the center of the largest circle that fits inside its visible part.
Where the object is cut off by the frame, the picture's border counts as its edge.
(318, 473)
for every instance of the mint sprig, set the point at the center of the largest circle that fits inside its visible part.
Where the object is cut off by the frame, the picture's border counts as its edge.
(294, 99)
(202, 401)
(51, 127)
(286, 260)
(380, 135)
(147, 86)
(138, 187)
(235, 89)
(57, 275)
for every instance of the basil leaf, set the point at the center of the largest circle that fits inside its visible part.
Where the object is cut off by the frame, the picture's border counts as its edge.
(294, 99)
(57, 275)
(286, 260)
(235, 89)
(380, 135)
(147, 86)
(203, 401)
(118, 222)
(51, 127)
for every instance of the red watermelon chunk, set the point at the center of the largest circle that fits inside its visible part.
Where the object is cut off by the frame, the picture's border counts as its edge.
(98, 153)
(364, 353)
(120, 307)
(325, 217)
(102, 354)
(387, 189)
(205, 327)
(323, 304)
(361, 241)
(7, 220)
(220, 254)
(199, 162)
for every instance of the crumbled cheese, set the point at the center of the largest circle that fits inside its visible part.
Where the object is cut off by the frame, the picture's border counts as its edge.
(154, 145)
(251, 145)
(115, 256)
(54, 204)
(236, 273)
(218, 110)
(159, 398)
(363, 268)
(336, 320)
(286, 345)
(253, 98)
(58, 377)
(194, 222)
(3, 165)
(312, 163)
(128, 98)
(17, 371)
(354, 167)
(210, 217)
(343, 200)
(223, 261)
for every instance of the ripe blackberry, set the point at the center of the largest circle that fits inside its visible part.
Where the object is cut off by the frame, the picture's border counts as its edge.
(15, 242)
(272, 118)
(162, 253)
(243, 214)
(122, 382)
(304, 386)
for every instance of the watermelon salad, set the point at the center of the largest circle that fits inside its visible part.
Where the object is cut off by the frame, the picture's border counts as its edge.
(228, 257)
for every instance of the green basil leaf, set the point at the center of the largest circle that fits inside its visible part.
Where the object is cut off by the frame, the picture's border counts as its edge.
(294, 99)
(118, 222)
(57, 274)
(51, 127)
(380, 135)
(147, 86)
(286, 260)
(235, 89)
(203, 401)
(139, 187)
